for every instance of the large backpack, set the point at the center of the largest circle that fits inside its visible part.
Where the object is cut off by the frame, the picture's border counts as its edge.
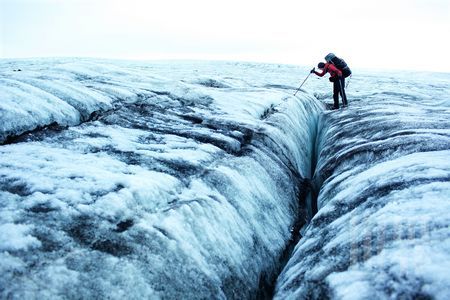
(339, 63)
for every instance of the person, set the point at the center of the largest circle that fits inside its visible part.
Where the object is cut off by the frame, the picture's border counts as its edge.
(338, 80)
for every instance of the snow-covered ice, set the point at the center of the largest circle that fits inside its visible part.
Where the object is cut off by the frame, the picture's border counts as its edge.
(173, 179)
(382, 227)
(177, 188)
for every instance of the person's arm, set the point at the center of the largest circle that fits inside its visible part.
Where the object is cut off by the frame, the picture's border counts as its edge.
(324, 71)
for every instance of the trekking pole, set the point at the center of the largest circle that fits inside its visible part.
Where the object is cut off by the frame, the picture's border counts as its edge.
(302, 84)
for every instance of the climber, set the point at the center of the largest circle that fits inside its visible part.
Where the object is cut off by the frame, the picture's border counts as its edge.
(338, 80)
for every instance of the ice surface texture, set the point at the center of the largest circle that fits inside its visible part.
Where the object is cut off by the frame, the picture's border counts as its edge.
(382, 229)
(184, 184)
(180, 180)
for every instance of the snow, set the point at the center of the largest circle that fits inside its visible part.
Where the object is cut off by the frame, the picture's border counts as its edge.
(382, 228)
(15, 237)
(160, 187)
(185, 179)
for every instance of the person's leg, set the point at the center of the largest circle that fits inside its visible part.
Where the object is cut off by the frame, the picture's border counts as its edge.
(336, 90)
(342, 88)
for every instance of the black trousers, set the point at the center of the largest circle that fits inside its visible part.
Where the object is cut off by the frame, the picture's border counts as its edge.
(339, 88)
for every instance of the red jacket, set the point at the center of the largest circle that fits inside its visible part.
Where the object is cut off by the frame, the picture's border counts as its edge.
(330, 68)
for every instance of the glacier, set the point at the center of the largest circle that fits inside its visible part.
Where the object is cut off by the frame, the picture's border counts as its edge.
(382, 178)
(188, 179)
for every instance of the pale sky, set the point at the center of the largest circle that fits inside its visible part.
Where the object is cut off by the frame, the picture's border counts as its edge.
(386, 34)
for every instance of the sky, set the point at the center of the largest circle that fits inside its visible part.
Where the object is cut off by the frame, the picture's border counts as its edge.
(382, 34)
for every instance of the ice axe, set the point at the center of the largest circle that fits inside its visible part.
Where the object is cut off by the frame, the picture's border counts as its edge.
(303, 82)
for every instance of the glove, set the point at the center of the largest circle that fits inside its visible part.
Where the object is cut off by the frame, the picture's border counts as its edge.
(312, 71)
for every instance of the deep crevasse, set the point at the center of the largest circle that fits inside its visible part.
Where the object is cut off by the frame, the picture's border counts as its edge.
(383, 228)
(177, 190)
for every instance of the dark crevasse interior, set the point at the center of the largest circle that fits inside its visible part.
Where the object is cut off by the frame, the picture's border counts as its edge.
(308, 190)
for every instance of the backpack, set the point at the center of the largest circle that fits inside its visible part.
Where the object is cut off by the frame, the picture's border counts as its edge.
(339, 63)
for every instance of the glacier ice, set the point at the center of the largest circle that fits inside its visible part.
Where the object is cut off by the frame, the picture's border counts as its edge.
(178, 188)
(382, 226)
(180, 179)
